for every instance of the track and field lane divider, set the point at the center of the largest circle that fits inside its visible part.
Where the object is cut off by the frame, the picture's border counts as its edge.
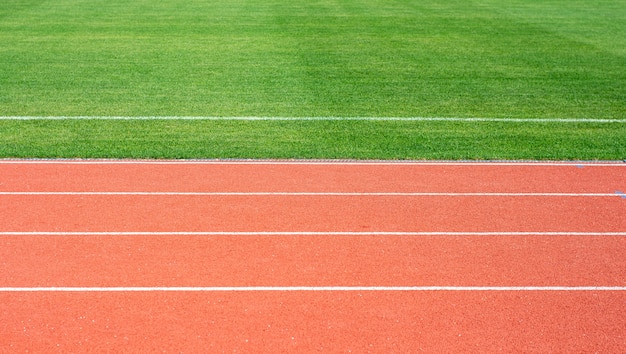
(307, 233)
(313, 288)
(314, 162)
(340, 194)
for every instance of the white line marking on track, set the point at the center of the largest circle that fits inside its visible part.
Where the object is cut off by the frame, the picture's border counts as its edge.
(307, 233)
(339, 194)
(397, 119)
(312, 288)
(397, 163)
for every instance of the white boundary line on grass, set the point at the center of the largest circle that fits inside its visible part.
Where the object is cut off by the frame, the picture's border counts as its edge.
(418, 119)
(311, 288)
(311, 233)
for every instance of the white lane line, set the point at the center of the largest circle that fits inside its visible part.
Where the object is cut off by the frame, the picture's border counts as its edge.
(397, 119)
(397, 163)
(307, 233)
(314, 162)
(339, 194)
(312, 288)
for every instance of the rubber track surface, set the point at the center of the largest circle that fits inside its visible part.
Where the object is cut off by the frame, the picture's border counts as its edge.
(52, 242)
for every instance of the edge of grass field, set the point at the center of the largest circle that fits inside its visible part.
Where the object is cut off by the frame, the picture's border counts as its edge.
(313, 138)
(296, 161)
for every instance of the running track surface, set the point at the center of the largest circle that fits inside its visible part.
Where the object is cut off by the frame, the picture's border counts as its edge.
(310, 256)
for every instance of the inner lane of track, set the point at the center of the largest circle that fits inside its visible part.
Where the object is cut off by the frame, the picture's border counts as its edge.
(398, 177)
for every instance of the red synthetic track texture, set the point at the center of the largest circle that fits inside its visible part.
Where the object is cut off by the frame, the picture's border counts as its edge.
(307, 321)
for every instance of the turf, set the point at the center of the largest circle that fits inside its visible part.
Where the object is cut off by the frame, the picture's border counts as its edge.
(340, 58)
(313, 139)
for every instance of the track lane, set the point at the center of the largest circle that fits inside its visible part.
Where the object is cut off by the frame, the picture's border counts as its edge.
(281, 322)
(309, 213)
(310, 177)
(329, 260)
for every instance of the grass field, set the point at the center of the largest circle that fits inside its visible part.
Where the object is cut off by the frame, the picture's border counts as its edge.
(327, 58)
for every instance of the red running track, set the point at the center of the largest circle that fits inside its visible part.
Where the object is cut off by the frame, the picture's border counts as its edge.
(63, 243)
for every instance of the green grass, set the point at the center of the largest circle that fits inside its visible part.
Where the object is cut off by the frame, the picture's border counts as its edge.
(339, 58)
(312, 139)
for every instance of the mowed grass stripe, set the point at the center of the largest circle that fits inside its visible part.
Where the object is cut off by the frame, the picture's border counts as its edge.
(360, 58)
(312, 139)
